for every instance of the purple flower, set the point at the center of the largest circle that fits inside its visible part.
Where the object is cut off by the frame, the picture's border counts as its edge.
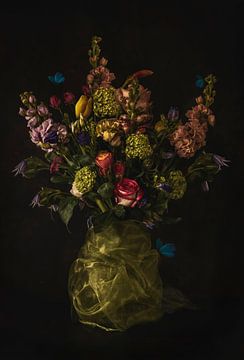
(173, 114)
(165, 187)
(50, 137)
(53, 207)
(83, 138)
(220, 161)
(20, 168)
(205, 186)
(35, 201)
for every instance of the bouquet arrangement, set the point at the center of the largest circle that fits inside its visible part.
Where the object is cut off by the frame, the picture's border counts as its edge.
(107, 155)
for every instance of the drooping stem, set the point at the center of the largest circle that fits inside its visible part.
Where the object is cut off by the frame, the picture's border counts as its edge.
(101, 205)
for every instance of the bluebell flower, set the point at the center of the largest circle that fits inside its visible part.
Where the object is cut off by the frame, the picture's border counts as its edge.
(220, 161)
(35, 201)
(20, 168)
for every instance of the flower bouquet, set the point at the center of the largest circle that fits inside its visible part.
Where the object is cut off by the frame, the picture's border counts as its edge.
(106, 154)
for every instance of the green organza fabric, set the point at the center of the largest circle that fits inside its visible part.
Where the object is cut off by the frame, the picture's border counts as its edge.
(115, 282)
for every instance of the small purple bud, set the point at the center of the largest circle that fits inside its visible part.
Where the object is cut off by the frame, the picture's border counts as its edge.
(165, 187)
(173, 114)
(168, 155)
(205, 186)
(35, 201)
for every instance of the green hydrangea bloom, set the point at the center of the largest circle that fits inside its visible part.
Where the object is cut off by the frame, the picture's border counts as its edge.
(85, 179)
(138, 146)
(104, 103)
(178, 184)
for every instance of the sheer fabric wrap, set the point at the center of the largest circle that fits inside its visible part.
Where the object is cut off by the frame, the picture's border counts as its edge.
(115, 283)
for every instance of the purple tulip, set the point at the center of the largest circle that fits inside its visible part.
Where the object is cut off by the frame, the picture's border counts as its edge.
(220, 161)
(20, 169)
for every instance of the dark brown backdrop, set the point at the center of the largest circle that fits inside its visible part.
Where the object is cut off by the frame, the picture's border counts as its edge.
(177, 41)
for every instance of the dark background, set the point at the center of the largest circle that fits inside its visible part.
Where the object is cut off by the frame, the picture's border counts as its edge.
(177, 40)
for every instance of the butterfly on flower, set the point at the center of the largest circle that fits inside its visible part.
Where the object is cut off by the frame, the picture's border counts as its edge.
(57, 78)
(167, 249)
(199, 81)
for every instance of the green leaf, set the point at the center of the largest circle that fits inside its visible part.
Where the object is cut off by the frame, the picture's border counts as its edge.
(57, 179)
(49, 196)
(66, 207)
(106, 190)
(34, 165)
(83, 160)
(119, 211)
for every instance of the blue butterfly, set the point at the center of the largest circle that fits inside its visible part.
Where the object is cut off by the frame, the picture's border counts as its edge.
(57, 78)
(165, 249)
(199, 82)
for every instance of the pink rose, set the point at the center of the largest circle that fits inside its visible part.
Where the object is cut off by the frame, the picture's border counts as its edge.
(128, 192)
(55, 102)
(69, 98)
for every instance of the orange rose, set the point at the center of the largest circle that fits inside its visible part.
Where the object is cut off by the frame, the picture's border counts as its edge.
(104, 161)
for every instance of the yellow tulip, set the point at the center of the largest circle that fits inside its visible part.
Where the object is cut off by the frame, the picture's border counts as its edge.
(80, 106)
(88, 110)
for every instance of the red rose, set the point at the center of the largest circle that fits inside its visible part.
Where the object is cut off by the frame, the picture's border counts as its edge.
(55, 102)
(119, 169)
(69, 98)
(128, 192)
(104, 161)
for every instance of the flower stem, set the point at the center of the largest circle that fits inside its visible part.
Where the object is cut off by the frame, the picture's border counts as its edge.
(101, 205)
